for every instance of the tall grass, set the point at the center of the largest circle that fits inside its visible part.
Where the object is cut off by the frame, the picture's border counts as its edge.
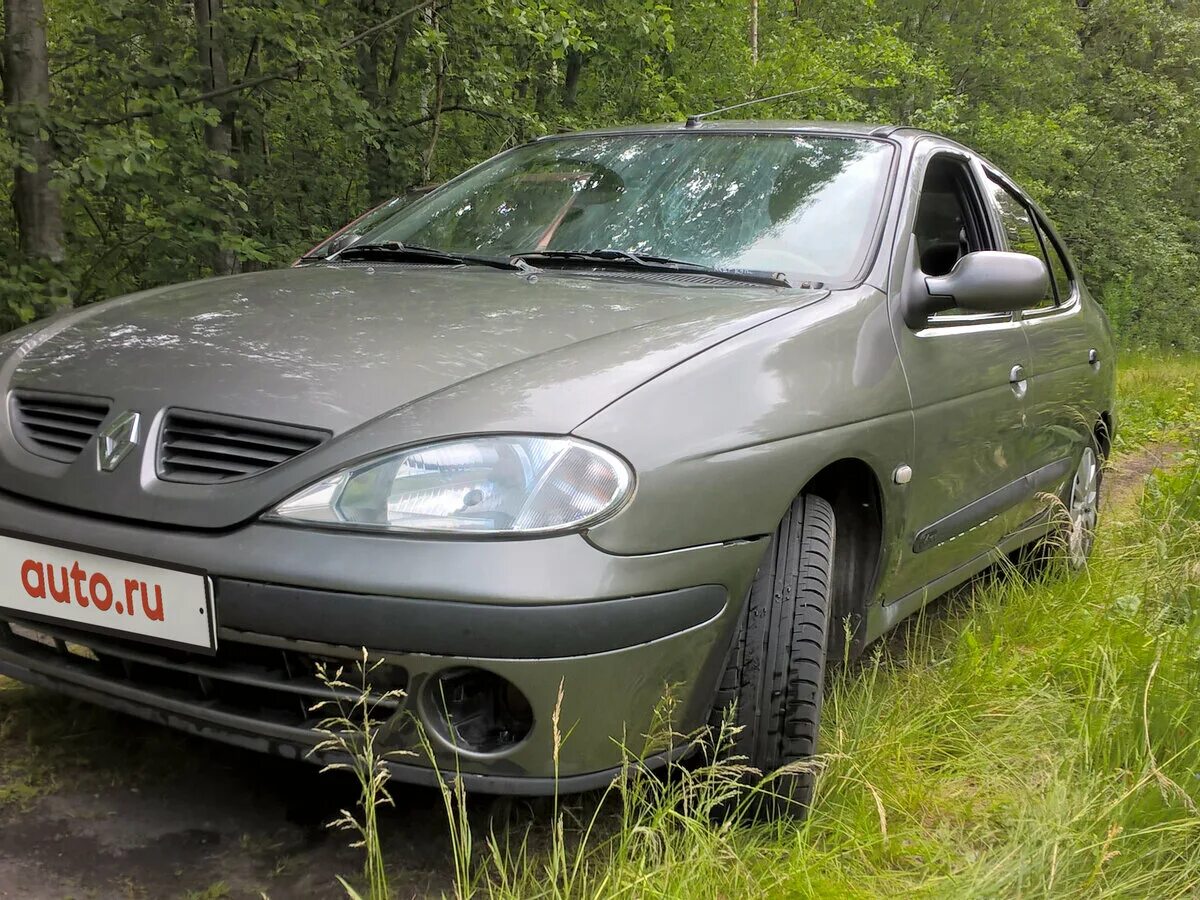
(1023, 738)
(354, 732)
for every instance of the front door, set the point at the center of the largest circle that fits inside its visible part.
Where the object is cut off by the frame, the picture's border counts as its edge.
(967, 378)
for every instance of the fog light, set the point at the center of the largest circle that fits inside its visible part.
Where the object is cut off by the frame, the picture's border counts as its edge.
(477, 711)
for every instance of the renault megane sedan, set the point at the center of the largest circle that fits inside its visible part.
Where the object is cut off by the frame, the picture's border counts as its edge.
(686, 409)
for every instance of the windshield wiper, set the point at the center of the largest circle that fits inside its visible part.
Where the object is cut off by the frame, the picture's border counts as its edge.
(624, 259)
(397, 251)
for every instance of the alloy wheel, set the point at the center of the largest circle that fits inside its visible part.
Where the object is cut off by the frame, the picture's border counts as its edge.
(1084, 509)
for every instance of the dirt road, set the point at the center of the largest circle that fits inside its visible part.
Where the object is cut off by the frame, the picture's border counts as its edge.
(182, 817)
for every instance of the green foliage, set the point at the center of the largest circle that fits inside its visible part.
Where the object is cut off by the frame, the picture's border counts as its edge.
(1091, 105)
(1158, 402)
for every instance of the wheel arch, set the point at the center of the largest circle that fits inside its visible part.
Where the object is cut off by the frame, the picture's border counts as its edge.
(1103, 431)
(854, 491)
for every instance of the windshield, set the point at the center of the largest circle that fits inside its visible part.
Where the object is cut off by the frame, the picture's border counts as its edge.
(780, 202)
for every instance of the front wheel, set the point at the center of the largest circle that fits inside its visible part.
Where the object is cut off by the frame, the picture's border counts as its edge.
(776, 668)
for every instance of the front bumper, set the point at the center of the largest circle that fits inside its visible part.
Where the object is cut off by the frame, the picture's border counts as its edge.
(632, 645)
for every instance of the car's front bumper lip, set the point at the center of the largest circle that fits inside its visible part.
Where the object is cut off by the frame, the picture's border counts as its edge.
(456, 628)
(291, 742)
(613, 706)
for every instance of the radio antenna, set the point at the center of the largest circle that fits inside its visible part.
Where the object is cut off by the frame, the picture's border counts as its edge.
(694, 120)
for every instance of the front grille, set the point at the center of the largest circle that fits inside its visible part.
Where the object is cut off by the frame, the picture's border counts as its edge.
(55, 426)
(270, 684)
(203, 448)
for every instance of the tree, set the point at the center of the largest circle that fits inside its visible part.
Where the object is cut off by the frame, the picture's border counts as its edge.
(182, 140)
(381, 64)
(754, 31)
(218, 135)
(35, 201)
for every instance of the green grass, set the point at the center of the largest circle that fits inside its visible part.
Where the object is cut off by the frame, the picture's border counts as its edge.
(1015, 740)
(217, 891)
(1157, 400)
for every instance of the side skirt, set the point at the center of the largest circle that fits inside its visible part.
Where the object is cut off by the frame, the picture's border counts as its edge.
(882, 618)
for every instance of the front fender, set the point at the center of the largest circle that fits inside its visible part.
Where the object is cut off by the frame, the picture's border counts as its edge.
(722, 443)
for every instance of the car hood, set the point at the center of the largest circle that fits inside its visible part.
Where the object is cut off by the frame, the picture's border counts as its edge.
(375, 355)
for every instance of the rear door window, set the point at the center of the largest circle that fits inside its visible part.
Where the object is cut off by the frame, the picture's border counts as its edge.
(1020, 233)
(1060, 271)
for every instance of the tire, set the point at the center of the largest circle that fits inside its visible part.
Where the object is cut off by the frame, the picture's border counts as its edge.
(1083, 504)
(1070, 541)
(775, 671)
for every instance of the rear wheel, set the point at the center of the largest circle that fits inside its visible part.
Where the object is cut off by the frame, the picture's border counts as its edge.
(1074, 531)
(776, 668)
(1083, 508)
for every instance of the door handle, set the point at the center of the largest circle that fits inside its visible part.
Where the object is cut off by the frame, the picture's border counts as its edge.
(1016, 378)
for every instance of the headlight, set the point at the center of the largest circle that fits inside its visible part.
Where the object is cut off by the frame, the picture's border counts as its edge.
(517, 484)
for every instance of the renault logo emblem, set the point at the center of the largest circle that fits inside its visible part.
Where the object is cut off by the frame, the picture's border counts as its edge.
(114, 442)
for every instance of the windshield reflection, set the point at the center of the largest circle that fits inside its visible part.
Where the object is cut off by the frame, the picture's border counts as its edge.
(791, 203)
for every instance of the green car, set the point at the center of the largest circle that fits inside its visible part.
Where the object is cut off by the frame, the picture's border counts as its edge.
(686, 409)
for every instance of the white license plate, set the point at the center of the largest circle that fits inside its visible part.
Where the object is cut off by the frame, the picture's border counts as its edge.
(100, 593)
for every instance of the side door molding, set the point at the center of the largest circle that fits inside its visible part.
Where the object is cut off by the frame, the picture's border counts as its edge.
(981, 511)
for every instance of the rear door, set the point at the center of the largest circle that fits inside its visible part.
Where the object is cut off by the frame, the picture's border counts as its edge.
(967, 378)
(1061, 372)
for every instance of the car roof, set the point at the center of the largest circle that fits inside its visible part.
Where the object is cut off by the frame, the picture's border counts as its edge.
(742, 126)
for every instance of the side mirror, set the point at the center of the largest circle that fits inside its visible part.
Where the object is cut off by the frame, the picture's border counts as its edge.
(987, 281)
